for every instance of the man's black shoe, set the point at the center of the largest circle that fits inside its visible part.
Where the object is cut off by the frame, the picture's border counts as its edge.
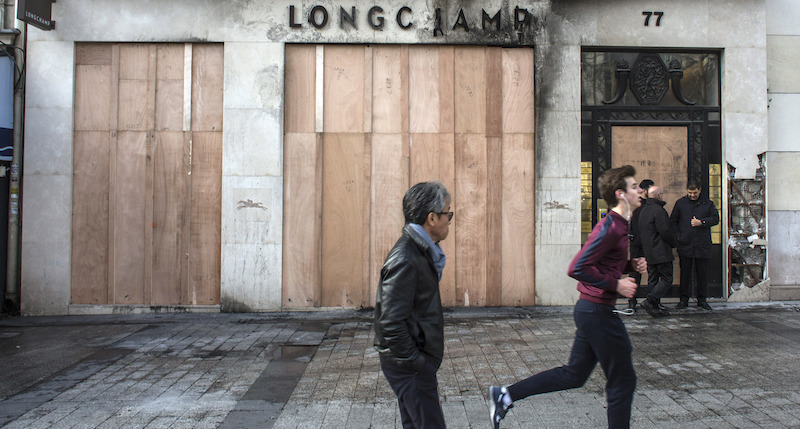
(681, 305)
(632, 304)
(704, 305)
(653, 309)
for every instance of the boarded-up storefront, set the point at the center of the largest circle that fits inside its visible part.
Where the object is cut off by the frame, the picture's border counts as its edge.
(363, 123)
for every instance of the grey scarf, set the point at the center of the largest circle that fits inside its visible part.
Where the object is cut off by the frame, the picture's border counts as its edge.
(436, 252)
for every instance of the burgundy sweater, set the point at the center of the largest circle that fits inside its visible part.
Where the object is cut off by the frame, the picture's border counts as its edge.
(602, 260)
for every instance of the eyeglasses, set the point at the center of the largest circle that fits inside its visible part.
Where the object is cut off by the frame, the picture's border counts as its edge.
(449, 215)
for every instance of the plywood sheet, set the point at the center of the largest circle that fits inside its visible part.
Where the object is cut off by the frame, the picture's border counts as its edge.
(470, 90)
(170, 219)
(389, 182)
(494, 92)
(447, 89)
(129, 218)
(423, 87)
(300, 89)
(208, 74)
(518, 220)
(135, 61)
(90, 218)
(169, 61)
(302, 214)
(93, 53)
(471, 184)
(344, 226)
(388, 109)
(93, 96)
(169, 105)
(206, 215)
(343, 99)
(494, 218)
(518, 99)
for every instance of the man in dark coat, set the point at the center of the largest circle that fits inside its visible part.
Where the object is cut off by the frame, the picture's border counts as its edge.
(409, 325)
(636, 242)
(657, 243)
(692, 219)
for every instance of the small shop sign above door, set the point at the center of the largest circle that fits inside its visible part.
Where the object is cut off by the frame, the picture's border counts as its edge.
(36, 13)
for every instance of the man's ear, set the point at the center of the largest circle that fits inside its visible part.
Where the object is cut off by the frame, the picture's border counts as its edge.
(430, 218)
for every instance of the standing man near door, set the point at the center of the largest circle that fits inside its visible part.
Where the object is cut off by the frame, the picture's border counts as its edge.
(409, 325)
(657, 241)
(692, 219)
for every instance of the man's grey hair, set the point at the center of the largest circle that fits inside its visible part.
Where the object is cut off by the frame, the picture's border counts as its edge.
(424, 198)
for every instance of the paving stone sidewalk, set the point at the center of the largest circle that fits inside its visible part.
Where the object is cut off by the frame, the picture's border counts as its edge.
(731, 368)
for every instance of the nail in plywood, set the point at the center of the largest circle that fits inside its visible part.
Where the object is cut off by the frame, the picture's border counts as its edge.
(206, 215)
(344, 205)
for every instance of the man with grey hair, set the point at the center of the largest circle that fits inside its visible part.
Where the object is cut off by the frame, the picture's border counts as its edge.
(657, 241)
(409, 326)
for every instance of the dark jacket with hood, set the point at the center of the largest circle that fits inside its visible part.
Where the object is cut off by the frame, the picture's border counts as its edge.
(694, 242)
(409, 325)
(655, 231)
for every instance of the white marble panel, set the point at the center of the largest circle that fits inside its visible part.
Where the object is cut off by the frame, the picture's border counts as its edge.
(254, 76)
(251, 277)
(783, 63)
(558, 211)
(744, 80)
(48, 149)
(50, 75)
(552, 285)
(745, 137)
(782, 181)
(47, 206)
(784, 128)
(45, 277)
(252, 142)
(562, 66)
(783, 16)
(252, 210)
(783, 247)
(558, 145)
(735, 23)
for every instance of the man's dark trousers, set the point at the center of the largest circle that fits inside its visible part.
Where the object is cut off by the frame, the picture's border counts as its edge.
(601, 337)
(659, 278)
(701, 273)
(417, 395)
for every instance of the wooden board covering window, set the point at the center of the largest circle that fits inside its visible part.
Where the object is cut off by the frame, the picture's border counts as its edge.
(147, 176)
(363, 123)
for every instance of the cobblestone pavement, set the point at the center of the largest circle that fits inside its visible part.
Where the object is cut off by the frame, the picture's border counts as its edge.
(735, 367)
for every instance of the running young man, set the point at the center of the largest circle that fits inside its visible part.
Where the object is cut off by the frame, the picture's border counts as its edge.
(601, 336)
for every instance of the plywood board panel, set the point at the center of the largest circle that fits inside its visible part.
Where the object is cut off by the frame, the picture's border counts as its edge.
(344, 225)
(170, 219)
(446, 89)
(169, 105)
(657, 153)
(518, 220)
(299, 89)
(470, 90)
(169, 61)
(343, 99)
(206, 219)
(90, 218)
(389, 182)
(494, 92)
(518, 115)
(207, 87)
(471, 184)
(129, 218)
(93, 53)
(423, 88)
(135, 62)
(494, 218)
(93, 95)
(302, 214)
(387, 90)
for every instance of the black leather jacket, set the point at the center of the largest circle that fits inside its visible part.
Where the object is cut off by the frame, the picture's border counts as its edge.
(409, 326)
(656, 232)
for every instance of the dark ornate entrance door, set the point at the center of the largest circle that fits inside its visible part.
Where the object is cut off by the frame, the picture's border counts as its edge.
(662, 119)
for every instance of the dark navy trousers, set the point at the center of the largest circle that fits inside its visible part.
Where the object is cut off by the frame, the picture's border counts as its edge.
(601, 337)
(417, 395)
